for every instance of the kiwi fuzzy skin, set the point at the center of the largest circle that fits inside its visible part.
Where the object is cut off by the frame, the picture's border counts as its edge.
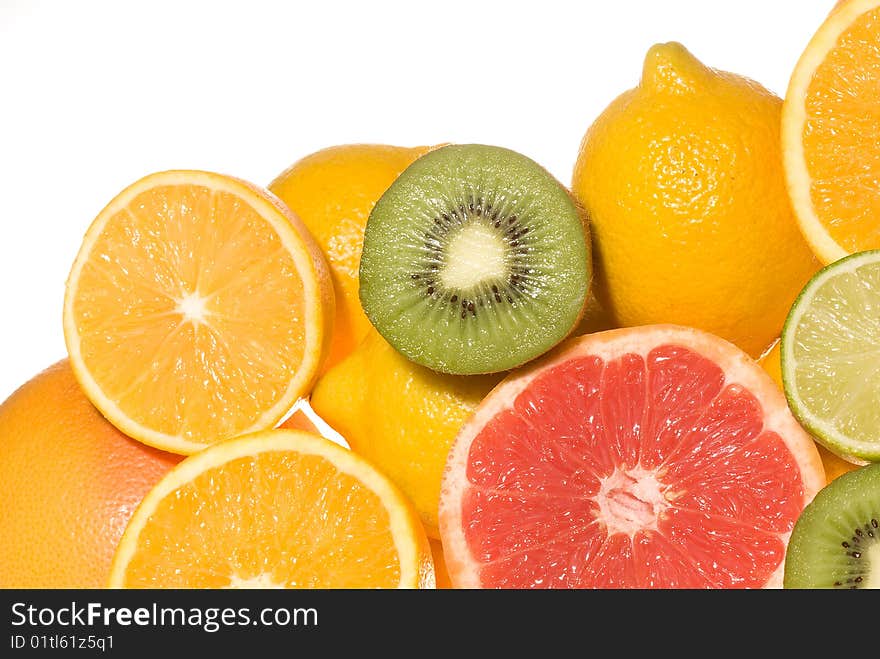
(816, 557)
(503, 177)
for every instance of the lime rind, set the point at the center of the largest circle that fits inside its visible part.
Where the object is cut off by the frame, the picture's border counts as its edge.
(830, 355)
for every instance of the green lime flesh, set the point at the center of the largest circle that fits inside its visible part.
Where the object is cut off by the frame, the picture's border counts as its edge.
(475, 260)
(836, 539)
(830, 352)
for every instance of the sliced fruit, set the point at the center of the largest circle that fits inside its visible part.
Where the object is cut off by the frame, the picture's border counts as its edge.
(833, 463)
(475, 260)
(198, 308)
(275, 509)
(69, 482)
(651, 457)
(830, 133)
(836, 540)
(830, 352)
(400, 416)
(671, 174)
(333, 191)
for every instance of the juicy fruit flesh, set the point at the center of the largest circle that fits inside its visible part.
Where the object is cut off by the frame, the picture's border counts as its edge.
(831, 353)
(636, 472)
(837, 128)
(275, 531)
(173, 276)
(277, 508)
(836, 541)
(834, 465)
(503, 235)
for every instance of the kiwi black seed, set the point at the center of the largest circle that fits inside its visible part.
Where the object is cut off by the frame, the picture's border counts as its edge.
(475, 260)
(836, 540)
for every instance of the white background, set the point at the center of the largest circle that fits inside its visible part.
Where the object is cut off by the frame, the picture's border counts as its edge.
(95, 94)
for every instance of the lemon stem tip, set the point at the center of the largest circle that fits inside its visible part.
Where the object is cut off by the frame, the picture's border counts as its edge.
(671, 67)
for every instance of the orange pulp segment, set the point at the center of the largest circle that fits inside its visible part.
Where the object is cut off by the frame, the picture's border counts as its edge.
(274, 509)
(831, 133)
(198, 309)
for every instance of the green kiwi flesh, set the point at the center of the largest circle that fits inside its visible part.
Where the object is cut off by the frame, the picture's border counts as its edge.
(475, 260)
(836, 539)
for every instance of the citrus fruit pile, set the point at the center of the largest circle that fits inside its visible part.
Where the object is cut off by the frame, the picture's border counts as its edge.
(441, 367)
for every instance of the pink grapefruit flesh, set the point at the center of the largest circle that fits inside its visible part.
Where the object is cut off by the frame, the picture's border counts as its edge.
(649, 457)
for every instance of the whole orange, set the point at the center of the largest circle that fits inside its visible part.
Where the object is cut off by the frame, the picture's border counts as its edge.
(69, 481)
(333, 191)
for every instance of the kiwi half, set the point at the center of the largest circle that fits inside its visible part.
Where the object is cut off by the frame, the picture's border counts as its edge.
(475, 260)
(836, 540)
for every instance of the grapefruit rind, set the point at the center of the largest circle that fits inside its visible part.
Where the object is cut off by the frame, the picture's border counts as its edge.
(848, 448)
(738, 367)
(794, 116)
(318, 302)
(413, 549)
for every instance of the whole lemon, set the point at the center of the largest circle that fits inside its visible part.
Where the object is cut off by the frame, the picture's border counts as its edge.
(69, 482)
(682, 179)
(333, 191)
(400, 416)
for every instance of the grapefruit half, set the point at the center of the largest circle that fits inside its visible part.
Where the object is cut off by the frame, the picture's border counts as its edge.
(648, 457)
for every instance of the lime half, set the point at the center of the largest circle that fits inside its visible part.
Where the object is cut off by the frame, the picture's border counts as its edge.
(830, 350)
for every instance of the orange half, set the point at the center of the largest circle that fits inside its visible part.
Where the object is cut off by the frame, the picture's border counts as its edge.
(198, 309)
(275, 509)
(831, 133)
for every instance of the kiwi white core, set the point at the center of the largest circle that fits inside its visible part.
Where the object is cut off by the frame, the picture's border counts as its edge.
(476, 254)
(872, 573)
